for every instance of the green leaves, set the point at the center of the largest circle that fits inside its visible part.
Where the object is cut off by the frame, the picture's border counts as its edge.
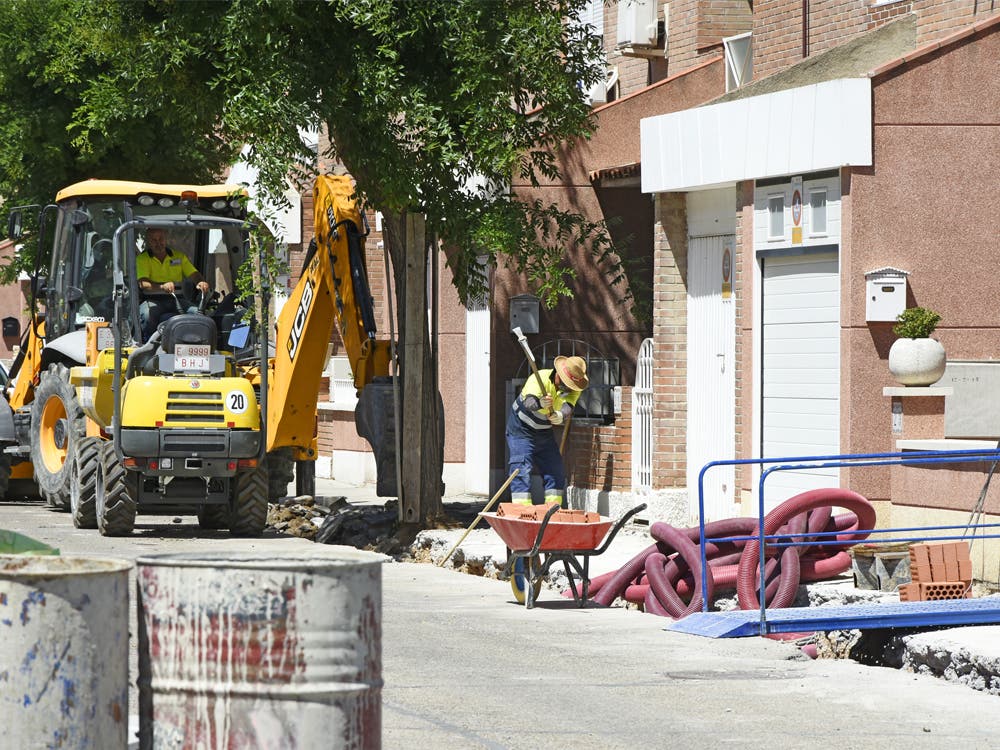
(423, 101)
(916, 323)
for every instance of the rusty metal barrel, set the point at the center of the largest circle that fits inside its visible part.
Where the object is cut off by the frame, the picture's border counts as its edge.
(242, 649)
(64, 647)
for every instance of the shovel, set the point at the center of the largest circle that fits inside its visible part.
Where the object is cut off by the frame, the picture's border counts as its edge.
(523, 341)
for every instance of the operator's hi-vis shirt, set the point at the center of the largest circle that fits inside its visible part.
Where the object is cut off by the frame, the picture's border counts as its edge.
(539, 420)
(174, 267)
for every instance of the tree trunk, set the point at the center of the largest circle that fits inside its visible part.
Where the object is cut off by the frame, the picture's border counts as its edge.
(421, 428)
(422, 420)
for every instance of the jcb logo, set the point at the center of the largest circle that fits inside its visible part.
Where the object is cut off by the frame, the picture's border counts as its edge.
(300, 319)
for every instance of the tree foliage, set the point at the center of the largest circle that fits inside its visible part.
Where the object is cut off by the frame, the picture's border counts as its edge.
(62, 123)
(432, 105)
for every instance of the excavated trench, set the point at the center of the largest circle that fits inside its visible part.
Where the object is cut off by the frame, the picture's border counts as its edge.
(926, 651)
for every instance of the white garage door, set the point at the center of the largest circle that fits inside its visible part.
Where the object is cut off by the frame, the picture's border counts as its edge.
(800, 413)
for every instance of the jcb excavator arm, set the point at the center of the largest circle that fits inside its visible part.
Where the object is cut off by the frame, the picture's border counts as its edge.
(334, 282)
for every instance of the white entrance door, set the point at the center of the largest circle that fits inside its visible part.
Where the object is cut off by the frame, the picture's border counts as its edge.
(477, 399)
(800, 379)
(711, 382)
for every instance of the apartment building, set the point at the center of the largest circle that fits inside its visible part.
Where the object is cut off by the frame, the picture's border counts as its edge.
(794, 154)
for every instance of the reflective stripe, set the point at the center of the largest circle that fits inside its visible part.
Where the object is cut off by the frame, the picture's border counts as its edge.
(522, 498)
(530, 419)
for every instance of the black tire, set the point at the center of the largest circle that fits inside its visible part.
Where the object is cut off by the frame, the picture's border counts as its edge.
(280, 472)
(86, 469)
(249, 503)
(4, 474)
(213, 516)
(117, 494)
(58, 425)
(518, 579)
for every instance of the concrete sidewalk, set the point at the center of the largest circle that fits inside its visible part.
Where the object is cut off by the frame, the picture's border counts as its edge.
(968, 655)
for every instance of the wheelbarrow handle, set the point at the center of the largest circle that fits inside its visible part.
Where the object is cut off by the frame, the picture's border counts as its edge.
(541, 529)
(618, 526)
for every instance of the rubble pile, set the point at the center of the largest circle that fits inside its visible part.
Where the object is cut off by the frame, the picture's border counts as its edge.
(361, 526)
(300, 516)
(333, 520)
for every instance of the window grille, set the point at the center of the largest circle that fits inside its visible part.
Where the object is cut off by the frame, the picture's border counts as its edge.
(597, 404)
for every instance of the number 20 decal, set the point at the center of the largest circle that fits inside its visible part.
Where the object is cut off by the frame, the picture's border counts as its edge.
(236, 402)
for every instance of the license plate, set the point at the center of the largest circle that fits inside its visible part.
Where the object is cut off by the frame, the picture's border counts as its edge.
(188, 357)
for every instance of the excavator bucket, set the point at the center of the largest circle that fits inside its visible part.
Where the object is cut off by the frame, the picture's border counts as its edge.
(374, 418)
(375, 422)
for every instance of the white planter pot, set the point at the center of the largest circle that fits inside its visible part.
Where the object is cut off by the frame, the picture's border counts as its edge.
(917, 361)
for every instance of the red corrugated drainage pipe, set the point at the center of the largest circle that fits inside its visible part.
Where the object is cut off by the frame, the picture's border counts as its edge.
(662, 581)
(783, 573)
(747, 575)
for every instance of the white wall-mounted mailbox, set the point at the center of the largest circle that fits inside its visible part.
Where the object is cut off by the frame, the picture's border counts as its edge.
(885, 294)
(524, 313)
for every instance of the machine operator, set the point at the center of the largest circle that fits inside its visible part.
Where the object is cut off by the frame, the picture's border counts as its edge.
(160, 270)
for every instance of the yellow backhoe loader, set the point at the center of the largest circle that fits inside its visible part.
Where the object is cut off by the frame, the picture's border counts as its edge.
(203, 414)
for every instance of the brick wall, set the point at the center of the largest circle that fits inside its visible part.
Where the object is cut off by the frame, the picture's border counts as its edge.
(718, 19)
(670, 341)
(697, 27)
(743, 293)
(882, 13)
(600, 457)
(833, 22)
(694, 31)
(936, 19)
(777, 25)
(777, 36)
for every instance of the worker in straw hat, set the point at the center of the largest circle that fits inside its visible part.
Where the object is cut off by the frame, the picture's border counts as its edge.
(530, 442)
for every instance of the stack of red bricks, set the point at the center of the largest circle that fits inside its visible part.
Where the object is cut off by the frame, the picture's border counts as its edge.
(938, 570)
(537, 513)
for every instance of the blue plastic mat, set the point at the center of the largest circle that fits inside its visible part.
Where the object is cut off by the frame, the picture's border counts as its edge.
(742, 623)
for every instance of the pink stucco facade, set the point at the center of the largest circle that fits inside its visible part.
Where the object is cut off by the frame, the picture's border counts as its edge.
(928, 206)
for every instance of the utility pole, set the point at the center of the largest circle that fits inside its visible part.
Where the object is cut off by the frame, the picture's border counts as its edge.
(415, 252)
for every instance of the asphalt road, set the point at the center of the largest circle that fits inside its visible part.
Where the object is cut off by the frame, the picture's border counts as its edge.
(466, 667)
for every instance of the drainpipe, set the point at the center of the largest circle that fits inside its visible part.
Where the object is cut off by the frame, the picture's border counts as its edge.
(805, 28)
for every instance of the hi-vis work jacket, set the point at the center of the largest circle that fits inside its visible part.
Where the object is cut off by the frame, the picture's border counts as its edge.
(527, 406)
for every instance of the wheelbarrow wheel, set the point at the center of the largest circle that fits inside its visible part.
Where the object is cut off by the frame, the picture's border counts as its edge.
(518, 578)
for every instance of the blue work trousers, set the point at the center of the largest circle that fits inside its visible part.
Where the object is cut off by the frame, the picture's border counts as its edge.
(538, 448)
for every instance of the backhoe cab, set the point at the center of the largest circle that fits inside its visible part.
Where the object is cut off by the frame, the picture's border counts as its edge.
(112, 423)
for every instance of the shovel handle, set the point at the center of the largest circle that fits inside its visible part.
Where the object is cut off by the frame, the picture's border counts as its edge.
(476, 519)
(523, 341)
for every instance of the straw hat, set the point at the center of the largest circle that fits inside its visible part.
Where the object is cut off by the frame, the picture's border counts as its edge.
(572, 372)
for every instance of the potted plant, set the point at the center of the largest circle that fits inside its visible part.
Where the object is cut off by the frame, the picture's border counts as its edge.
(915, 358)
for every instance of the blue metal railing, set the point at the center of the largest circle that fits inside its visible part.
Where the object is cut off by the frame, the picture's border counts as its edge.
(787, 463)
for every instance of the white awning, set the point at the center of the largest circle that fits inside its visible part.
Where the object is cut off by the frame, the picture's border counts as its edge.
(822, 126)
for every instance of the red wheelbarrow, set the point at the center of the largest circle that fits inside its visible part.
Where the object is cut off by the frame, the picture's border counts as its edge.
(533, 546)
